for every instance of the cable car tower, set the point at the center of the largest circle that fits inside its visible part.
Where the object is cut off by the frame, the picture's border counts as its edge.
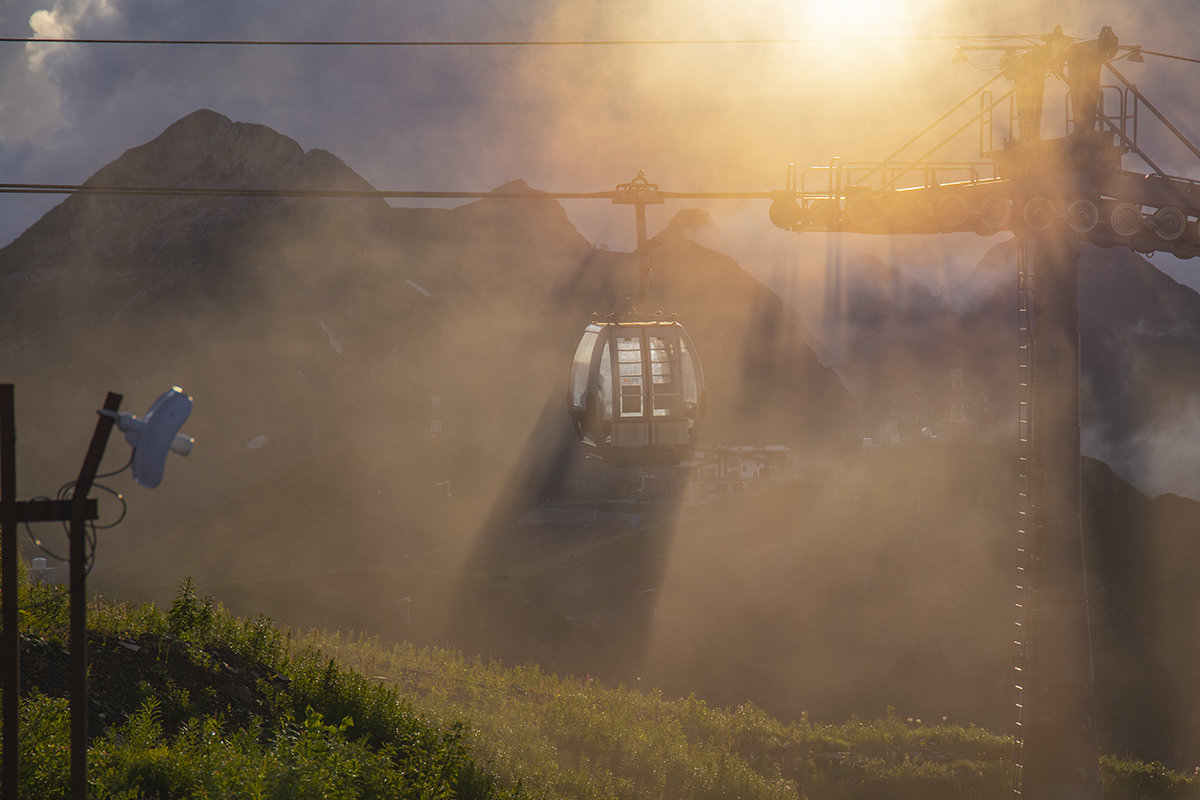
(1051, 194)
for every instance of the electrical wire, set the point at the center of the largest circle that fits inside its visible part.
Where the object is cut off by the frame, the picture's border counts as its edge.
(386, 194)
(502, 42)
(67, 492)
(120, 499)
(184, 191)
(115, 472)
(1168, 55)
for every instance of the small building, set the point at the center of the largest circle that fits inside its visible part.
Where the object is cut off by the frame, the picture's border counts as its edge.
(719, 471)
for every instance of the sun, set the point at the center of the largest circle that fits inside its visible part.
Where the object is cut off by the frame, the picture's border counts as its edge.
(855, 19)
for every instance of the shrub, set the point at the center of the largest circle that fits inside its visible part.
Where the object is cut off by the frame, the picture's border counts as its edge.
(45, 749)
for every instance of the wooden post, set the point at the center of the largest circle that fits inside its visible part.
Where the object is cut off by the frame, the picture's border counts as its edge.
(10, 659)
(78, 547)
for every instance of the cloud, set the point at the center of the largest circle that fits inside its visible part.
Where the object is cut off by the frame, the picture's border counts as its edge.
(1157, 460)
(62, 22)
(47, 25)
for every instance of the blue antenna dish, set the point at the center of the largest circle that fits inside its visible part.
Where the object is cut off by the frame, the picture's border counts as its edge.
(153, 436)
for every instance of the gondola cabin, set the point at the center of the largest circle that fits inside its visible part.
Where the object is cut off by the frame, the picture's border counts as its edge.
(636, 391)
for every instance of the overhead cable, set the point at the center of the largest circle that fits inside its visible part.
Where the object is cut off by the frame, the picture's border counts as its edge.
(493, 42)
(383, 194)
(1168, 55)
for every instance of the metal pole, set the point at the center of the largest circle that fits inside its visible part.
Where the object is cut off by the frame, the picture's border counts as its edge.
(10, 660)
(1060, 744)
(78, 546)
(643, 251)
(638, 193)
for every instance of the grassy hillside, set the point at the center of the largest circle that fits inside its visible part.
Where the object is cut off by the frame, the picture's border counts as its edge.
(195, 703)
(569, 737)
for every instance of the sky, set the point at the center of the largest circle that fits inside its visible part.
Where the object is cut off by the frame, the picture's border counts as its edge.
(696, 117)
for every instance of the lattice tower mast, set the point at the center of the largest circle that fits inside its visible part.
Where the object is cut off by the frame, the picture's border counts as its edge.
(1051, 194)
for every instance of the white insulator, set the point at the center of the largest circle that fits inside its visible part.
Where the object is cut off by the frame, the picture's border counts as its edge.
(1170, 223)
(1126, 219)
(1083, 216)
(1039, 213)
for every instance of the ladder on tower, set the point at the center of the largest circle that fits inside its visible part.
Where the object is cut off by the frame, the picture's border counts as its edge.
(1026, 558)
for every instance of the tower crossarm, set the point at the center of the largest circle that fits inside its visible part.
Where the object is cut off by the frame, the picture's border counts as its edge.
(1028, 186)
(1108, 207)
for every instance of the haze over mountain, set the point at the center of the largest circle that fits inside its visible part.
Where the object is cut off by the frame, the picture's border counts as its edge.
(271, 299)
(895, 343)
(326, 340)
(322, 340)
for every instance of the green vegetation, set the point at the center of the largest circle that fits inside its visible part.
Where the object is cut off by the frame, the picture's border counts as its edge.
(194, 703)
(569, 737)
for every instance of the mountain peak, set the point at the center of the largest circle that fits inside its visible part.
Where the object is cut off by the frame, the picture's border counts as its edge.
(202, 121)
(517, 186)
(206, 148)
